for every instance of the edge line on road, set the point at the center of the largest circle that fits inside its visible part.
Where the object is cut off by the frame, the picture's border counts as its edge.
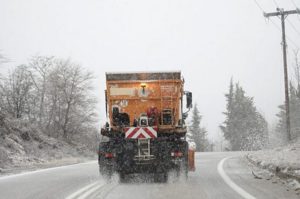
(42, 170)
(230, 183)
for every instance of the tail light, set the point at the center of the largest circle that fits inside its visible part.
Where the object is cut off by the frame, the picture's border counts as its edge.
(109, 155)
(176, 154)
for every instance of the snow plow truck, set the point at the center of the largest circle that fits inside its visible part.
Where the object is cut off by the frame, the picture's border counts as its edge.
(145, 130)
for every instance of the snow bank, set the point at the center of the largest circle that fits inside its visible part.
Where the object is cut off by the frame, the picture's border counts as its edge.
(25, 147)
(283, 161)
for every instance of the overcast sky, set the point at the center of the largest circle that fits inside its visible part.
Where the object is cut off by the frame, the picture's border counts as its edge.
(209, 41)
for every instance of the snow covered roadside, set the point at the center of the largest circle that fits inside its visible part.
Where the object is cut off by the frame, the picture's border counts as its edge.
(25, 147)
(33, 166)
(38, 151)
(283, 162)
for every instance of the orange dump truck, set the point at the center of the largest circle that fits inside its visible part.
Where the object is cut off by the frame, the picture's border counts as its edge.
(146, 131)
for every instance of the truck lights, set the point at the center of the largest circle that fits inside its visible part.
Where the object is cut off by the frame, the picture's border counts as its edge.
(176, 154)
(109, 155)
(143, 85)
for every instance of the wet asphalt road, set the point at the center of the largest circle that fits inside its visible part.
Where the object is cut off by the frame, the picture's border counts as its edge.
(215, 177)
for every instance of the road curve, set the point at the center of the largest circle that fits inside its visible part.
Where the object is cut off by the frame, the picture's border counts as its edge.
(217, 176)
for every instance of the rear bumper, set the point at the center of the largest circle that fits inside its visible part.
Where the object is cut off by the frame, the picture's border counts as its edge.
(150, 166)
(161, 158)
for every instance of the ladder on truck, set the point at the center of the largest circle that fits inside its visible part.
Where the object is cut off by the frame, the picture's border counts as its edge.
(166, 100)
(144, 151)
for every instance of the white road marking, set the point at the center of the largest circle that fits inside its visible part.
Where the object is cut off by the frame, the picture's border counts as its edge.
(82, 190)
(89, 192)
(106, 190)
(230, 183)
(42, 170)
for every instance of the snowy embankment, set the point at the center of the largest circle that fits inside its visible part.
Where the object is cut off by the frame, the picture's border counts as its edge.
(284, 162)
(23, 147)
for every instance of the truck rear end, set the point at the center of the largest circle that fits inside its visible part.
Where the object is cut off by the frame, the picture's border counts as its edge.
(145, 129)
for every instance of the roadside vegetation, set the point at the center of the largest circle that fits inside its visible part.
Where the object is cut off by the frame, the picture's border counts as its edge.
(279, 135)
(47, 112)
(197, 135)
(244, 127)
(282, 158)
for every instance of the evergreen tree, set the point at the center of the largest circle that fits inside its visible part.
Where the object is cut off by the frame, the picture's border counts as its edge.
(294, 116)
(244, 127)
(229, 130)
(294, 95)
(197, 133)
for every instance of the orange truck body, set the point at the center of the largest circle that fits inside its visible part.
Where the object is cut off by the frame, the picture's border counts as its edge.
(136, 93)
(145, 126)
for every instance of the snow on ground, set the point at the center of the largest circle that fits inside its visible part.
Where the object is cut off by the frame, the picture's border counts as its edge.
(284, 162)
(23, 148)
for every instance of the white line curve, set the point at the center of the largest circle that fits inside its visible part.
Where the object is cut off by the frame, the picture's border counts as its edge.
(42, 170)
(230, 183)
(89, 192)
(82, 190)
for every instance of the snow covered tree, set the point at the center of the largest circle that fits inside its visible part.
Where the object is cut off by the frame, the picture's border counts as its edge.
(15, 92)
(244, 127)
(74, 103)
(197, 133)
(294, 95)
(294, 116)
(40, 67)
(54, 93)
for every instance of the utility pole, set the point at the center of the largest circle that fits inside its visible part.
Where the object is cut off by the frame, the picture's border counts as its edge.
(283, 14)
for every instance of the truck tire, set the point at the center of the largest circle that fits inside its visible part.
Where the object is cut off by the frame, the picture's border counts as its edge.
(122, 177)
(185, 170)
(161, 177)
(185, 163)
(105, 173)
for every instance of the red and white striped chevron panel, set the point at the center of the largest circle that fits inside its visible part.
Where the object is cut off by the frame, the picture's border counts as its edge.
(140, 132)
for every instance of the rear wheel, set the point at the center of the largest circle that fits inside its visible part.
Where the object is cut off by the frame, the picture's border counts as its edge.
(180, 173)
(181, 169)
(122, 177)
(161, 177)
(184, 169)
(105, 173)
(185, 163)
